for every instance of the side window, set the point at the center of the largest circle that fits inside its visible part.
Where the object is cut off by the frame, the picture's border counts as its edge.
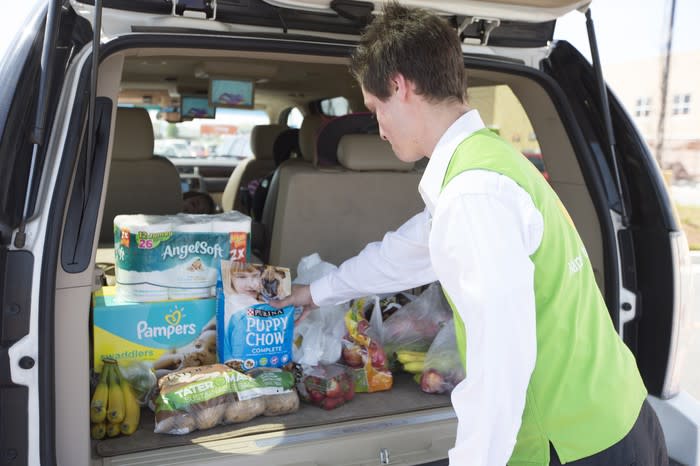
(294, 118)
(502, 112)
(336, 106)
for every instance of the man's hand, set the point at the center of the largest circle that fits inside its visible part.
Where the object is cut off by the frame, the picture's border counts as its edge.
(300, 297)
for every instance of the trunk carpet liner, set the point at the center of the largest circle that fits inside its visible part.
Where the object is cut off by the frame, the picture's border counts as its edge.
(405, 396)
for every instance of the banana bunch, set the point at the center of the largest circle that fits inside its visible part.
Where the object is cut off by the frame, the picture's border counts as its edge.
(412, 361)
(113, 407)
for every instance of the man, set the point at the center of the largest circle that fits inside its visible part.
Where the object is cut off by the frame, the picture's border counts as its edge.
(548, 379)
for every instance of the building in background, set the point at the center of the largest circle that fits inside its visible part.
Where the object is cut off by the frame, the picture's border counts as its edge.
(637, 84)
(502, 112)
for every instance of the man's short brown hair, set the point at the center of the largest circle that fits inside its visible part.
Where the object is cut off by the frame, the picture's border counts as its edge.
(419, 45)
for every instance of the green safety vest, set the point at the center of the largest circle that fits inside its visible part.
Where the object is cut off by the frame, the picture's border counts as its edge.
(585, 391)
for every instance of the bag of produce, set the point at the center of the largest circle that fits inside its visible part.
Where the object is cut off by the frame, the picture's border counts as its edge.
(415, 325)
(199, 398)
(363, 352)
(327, 386)
(442, 369)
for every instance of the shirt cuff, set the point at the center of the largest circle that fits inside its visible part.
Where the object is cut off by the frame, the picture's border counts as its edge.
(322, 292)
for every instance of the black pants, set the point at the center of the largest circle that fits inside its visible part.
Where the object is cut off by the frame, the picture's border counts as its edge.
(644, 445)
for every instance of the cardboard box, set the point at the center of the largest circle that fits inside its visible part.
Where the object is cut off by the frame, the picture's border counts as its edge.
(152, 331)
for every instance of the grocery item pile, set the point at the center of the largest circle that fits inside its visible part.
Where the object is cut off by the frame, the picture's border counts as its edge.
(213, 351)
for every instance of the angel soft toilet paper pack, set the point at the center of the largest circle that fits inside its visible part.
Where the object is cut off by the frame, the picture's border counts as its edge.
(162, 257)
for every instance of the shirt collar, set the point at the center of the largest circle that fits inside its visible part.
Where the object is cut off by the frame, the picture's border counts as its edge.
(432, 179)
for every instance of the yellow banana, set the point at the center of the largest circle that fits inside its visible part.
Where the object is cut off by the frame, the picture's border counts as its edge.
(132, 410)
(98, 403)
(98, 430)
(414, 367)
(417, 377)
(115, 401)
(112, 429)
(410, 356)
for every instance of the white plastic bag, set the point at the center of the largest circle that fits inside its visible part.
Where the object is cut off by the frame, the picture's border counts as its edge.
(317, 337)
(443, 368)
(415, 325)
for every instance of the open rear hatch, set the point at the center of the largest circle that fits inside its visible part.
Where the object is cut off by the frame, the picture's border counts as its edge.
(498, 23)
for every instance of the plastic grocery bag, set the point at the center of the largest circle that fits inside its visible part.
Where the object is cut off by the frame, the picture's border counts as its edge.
(327, 386)
(362, 350)
(443, 368)
(415, 325)
(317, 337)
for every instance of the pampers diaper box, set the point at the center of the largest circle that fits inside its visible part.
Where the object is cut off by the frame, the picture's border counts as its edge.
(167, 335)
(161, 257)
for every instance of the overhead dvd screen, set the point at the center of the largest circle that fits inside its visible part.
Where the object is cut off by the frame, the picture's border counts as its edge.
(196, 107)
(231, 93)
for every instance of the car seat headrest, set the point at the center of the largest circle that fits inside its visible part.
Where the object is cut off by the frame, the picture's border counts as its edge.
(330, 134)
(133, 134)
(368, 152)
(307, 136)
(286, 144)
(262, 139)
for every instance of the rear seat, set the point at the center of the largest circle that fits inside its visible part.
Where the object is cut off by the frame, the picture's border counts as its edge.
(336, 211)
(262, 232)
(139, 182)
(262, 139)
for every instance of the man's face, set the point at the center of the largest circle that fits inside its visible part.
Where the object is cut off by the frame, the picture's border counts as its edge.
(397, 122)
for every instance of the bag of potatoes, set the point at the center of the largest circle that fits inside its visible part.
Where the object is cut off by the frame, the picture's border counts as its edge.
(199, 398)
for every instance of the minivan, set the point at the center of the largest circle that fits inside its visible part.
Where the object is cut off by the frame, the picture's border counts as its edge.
(71, 159)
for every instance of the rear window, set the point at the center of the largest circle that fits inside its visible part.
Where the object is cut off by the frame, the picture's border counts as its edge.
(225, 138)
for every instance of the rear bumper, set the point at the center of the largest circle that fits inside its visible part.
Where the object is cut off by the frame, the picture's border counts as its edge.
(680, 421)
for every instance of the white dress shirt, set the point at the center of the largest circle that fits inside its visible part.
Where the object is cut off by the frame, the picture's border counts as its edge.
(476, 237)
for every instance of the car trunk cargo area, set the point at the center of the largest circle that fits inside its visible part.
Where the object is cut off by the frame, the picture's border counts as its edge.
(404, 397)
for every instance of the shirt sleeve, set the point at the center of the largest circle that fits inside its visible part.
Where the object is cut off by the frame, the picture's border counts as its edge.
(399, 262)
(480, 245)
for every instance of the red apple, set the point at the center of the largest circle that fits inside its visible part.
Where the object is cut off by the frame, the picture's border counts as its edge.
(362, 327)
(432, 382)
(352, 355)
(376, 354)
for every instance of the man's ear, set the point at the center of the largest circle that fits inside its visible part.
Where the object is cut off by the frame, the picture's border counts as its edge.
(401, 86)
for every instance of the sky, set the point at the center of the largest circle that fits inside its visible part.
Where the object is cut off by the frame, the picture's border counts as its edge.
(628, 30)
